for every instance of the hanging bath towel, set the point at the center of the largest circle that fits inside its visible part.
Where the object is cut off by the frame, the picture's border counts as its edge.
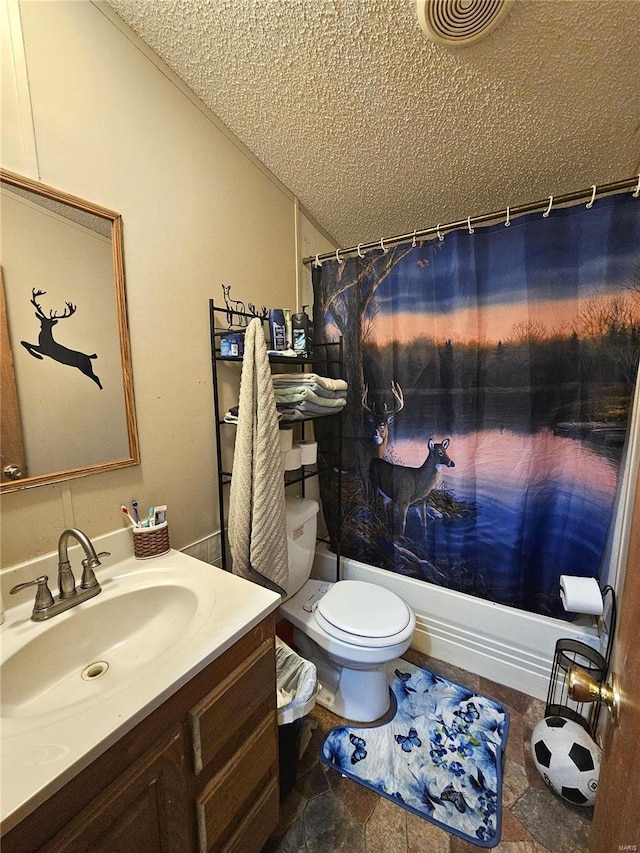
(257, 522)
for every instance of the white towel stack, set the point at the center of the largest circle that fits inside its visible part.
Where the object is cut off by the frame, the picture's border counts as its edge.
(301, 394)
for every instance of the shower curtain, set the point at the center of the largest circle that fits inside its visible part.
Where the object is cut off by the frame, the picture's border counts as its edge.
(490, 377)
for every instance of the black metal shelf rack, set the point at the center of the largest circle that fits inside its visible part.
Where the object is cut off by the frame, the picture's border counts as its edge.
(324, 355)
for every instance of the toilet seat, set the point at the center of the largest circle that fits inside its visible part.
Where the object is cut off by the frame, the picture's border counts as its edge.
(363, 614)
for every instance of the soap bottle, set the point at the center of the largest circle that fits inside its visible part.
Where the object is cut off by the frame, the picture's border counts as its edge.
(300, 331)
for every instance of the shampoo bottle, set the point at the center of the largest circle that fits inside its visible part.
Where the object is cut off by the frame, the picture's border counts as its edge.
(300, 331)
(277, 329)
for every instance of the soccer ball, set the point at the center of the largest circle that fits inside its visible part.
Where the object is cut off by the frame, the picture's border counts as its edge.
(567, 758)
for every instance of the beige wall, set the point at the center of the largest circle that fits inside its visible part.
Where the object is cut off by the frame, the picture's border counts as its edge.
(112, 125)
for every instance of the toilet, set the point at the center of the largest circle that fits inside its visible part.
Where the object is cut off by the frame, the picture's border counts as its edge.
(349, 629)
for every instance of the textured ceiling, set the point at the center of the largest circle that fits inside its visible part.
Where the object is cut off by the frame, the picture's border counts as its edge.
(379, 131)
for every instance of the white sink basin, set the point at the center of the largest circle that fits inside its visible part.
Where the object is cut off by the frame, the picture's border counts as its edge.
(88, 651)
(74, 684)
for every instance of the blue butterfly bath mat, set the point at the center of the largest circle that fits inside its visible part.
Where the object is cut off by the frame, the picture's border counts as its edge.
(440, 756)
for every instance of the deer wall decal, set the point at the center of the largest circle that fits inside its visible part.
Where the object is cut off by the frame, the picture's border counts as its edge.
(408, 486)
(374, 446)
(47, 346)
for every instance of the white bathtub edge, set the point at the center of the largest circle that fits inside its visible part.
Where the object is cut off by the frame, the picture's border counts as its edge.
(506, 645)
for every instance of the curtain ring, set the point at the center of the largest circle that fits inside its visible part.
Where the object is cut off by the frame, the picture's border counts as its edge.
(440, 236)
(360, 255)
(338, 258)
(382, 246)
(471, 230)
(637, 189)
(548, 210)
(317, 262)
(413, 242)
(589, 204)
(507, 222)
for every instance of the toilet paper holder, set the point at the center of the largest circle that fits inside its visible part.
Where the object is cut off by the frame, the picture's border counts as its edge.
(572, 656)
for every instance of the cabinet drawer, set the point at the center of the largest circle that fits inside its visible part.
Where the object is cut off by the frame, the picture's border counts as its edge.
(232, 708)
(254, 831)
(231, 795)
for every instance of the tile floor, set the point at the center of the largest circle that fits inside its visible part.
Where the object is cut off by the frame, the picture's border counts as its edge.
(326, 812)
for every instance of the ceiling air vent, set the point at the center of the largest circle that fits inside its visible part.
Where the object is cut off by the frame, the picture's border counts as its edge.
(457, 23)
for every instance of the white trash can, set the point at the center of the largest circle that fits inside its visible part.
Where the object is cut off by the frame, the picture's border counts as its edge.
(297, 688)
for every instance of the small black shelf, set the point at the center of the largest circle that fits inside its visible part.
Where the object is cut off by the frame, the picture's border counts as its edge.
(296, 475)
(323, 354)
(285, 422)
(296, 361)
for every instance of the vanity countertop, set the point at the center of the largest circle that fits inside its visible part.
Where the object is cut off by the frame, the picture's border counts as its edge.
(42, 750)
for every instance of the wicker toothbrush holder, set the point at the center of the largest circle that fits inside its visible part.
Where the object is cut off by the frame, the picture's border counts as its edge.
(151, 542)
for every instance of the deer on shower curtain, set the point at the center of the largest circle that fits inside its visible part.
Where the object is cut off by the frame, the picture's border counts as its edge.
(490, 378)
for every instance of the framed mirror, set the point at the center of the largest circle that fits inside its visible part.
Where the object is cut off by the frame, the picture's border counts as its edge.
(67, 390)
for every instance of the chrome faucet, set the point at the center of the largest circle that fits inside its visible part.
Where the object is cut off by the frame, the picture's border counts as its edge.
(66, 580)
(69, 595)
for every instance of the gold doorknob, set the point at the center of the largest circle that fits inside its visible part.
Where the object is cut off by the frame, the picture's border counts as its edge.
(584, 688)
(13, 472)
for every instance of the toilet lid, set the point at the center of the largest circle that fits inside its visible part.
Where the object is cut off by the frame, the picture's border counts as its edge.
(362, 610)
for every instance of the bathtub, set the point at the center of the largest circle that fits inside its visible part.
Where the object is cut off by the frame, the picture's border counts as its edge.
(509, 646)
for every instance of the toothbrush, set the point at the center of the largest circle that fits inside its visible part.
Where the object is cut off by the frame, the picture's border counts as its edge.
(134, 504)
(150, 516)
(126, 512)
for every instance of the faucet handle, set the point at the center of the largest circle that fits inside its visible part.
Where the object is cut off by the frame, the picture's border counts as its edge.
(44, 599)
(94, 561)
(89, 579)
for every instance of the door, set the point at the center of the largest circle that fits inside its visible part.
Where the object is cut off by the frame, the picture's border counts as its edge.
(616, 824)
(12, 445)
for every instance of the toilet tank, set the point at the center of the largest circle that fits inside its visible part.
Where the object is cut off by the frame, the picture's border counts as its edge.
(302, 525)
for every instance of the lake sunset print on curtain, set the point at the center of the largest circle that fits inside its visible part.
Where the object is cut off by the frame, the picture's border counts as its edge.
(490, 378)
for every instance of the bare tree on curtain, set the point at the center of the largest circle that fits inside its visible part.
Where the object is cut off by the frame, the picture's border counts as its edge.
(345, 298)
(346, 292)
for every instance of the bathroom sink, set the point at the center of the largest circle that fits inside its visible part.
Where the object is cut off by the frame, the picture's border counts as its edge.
(88, 651)
(75, 683)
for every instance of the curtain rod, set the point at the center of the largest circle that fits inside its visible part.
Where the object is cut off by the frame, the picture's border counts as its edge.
(469, 222)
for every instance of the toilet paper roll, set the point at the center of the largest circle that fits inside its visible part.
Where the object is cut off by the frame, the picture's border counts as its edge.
(286, 439)
(308, 452)
(292, 460)
(581, 595)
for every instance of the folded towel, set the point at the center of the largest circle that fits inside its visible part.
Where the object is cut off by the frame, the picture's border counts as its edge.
(298, 394)
(289, 353)
(257, 519)
(297, 378)
(298, 411)
(320, 390)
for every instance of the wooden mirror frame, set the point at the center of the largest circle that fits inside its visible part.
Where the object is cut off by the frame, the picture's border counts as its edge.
(115, 220)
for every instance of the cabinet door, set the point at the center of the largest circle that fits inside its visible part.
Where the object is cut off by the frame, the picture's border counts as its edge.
(145, 811)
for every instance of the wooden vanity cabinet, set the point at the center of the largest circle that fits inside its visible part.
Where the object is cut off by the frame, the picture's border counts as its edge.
(199, 774)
